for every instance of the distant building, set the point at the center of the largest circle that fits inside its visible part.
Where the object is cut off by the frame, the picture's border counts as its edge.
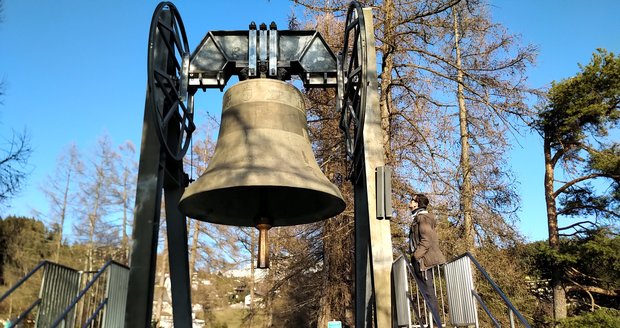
(258, 300)
(246, 272)
(165, 316)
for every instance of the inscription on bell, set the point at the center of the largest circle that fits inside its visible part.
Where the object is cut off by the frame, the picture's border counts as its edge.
(250, 93)
(275, 95)
(246, 94)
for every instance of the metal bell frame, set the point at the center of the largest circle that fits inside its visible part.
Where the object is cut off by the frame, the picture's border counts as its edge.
(174, 75)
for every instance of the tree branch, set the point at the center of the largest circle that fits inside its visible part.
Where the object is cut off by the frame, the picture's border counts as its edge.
(595, 208)
(580, 224)
(577, 180)
(592, 289)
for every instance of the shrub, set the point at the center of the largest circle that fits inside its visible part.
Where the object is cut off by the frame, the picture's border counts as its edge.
(602, 318)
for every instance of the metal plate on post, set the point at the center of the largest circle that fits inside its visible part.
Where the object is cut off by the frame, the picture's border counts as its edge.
(384, 192)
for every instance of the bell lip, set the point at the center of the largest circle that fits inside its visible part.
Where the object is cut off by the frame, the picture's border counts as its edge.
(335, 205)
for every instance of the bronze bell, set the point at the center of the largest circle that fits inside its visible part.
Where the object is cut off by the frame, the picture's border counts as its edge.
(263, 172)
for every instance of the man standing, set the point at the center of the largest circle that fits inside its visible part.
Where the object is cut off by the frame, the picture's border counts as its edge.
(424, 243)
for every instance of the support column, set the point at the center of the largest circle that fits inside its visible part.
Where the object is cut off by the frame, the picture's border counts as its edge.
(373, 237)
(143, 259)
(176, 225)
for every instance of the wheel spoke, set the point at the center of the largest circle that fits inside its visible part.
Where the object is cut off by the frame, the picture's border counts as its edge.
(169, 44)
(171, 112)
(166, 84)
(353, 73)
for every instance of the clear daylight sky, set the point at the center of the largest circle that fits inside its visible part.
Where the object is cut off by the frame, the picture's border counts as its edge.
(74, 70)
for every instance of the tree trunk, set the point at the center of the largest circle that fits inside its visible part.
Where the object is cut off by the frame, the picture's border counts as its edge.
(91, 244)
(559, 294)
(336, 297)
(465, 165)
(325, 314)
(63, 215)
(252, 277)
(91, 234)
(125, 238)
(385, 101)
(193, 252)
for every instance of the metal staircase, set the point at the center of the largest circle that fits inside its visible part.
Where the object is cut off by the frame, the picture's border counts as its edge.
(454, 287)
(72, 298)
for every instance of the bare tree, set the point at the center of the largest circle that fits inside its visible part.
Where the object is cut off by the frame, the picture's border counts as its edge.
(58, 189)
(14, 155)
(327, 245)
(124, 191)
(490, 95)
(201, 153)
(452, 89)
(457, 89)
(95, 198)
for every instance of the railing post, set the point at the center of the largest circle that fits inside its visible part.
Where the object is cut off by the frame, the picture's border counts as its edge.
(459, 286)
(460, 289)
(58, 287)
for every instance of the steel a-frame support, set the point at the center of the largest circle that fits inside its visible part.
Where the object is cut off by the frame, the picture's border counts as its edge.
(373, 243)
(157, 173)
(210, 66)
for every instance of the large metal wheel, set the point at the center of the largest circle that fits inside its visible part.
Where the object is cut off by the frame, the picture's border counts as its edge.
(168, 65)
(353, 83)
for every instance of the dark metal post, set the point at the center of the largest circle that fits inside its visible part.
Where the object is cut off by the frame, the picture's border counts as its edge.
(176, 227)
(145, 234)
(363, 270)
(159, 171)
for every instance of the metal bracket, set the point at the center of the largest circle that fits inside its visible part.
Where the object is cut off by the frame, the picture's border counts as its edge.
(222, 54)
(273, 50)
(262, 49)
(251, 50)
(384, 192)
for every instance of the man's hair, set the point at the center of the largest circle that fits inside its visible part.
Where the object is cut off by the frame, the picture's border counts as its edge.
(421, 199)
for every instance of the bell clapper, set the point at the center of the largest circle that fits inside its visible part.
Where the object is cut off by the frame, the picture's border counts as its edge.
(263, 245)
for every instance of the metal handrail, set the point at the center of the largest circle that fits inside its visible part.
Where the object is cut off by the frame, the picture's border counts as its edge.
(97, 310)
(412, 275)
(486, 309)
(497, 289)
(39, 301)
(75, 301)
(417, 315)
(24, 314)
(22, 280)
(410, 297)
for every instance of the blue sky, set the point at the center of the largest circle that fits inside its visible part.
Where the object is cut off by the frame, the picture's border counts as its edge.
(74, 70)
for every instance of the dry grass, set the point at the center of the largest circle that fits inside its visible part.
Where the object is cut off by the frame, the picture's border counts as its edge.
(235, 318)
